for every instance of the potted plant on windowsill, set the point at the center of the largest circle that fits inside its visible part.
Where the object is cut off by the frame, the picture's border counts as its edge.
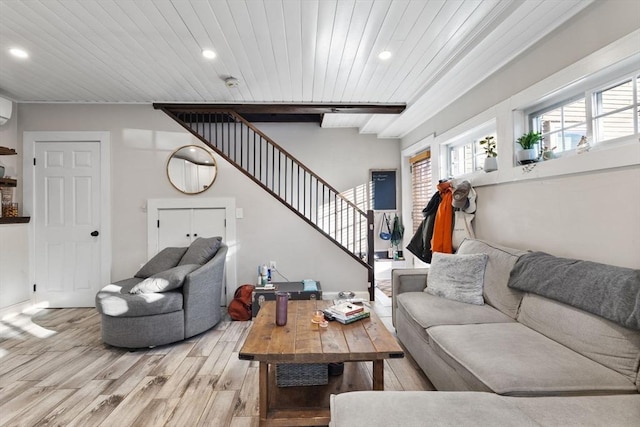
(489, 145)
(528, 142)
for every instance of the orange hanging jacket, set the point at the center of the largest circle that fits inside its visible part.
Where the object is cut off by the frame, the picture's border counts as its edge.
(443, 226)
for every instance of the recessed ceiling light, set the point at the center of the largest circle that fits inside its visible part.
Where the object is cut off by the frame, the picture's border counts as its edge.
(18, 53)
(208, 53)
(384, 55)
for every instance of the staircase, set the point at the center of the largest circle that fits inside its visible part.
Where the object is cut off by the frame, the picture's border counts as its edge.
(284, 177)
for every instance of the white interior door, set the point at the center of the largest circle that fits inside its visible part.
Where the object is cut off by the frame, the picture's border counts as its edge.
(174, 228)
(180, 227)
(206, 217)
(208, 223)
(67, 186)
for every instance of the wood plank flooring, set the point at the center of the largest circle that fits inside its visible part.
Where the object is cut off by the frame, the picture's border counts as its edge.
(56, 371)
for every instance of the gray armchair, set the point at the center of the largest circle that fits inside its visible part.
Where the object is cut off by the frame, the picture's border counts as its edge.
(151, 318)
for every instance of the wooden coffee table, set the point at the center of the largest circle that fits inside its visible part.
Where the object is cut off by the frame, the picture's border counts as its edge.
(301, 341)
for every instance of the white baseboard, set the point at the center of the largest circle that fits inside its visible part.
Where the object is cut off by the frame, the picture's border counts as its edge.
(25, 307)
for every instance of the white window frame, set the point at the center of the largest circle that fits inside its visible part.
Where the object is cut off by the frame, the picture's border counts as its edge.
(472, 135)
(532, 117)
(634, 78)
(427, 143)
(589, 93)
(426, 164)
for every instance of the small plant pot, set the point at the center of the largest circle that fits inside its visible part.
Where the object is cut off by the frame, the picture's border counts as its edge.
(490, 164)
(529, 155)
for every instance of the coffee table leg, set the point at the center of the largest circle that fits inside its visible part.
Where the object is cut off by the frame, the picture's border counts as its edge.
(378, 374)
(264, 391)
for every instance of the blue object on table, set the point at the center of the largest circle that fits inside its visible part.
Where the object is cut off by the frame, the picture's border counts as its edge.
(309, 285)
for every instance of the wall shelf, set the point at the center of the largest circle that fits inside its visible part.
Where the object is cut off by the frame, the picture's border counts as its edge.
(15, 220)
(8, 182)
(4, 151)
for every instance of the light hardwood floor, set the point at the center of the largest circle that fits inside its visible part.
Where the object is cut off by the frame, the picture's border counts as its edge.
(55, 371)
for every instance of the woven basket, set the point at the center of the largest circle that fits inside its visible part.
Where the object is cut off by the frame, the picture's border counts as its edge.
(301, 374)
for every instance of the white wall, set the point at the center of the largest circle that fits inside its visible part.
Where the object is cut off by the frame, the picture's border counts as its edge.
(14, 251)
(590, 216)
(344, 155)
(142, 140)
(586, 215)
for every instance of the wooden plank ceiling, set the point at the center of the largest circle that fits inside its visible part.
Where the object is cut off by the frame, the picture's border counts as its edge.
(280, 51)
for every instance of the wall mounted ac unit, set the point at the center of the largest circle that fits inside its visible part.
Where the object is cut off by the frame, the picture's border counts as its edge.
(5, 110)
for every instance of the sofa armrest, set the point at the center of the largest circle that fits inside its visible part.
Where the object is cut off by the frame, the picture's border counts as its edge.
(406, 280)
(202, 291)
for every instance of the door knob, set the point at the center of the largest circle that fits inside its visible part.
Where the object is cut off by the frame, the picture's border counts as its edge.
(95, 233)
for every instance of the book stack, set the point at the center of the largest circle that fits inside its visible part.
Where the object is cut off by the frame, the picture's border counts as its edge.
(346, 312)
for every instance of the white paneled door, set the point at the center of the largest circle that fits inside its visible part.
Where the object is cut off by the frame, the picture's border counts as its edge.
(67, 223)
(177, 222)
(180, 227)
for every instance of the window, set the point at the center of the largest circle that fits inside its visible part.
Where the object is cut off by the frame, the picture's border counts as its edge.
(605, 114)
(561, 126)
(421, 186)
(614, 109)
(467, 155)
(462, 157)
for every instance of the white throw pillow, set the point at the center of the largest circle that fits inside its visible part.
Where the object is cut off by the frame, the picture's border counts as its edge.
(164, 281)
(457, 277)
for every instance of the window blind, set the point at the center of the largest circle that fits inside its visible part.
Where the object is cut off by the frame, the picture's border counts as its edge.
(421, 187)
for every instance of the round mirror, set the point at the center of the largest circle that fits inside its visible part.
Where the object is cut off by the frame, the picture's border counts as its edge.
(191, 169)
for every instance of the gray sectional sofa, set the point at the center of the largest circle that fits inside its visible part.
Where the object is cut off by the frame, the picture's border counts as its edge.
(174, 296)
(563, 351)
(517, 343)
(460, 409)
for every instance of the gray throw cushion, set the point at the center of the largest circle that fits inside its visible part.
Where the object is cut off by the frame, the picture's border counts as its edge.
(459, 409)
(457, 277)
(496, 274)
(424, 408)
(599, 339)
(201, 250)
(606, 290)
(164, 281)
(429, 310)
(163, 260)
(512, 359)
(620, 410)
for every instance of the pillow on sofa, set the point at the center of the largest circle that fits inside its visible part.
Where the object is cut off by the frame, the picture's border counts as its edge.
(164, 260)
(201, 250)
(457, 277)
(165, 280)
